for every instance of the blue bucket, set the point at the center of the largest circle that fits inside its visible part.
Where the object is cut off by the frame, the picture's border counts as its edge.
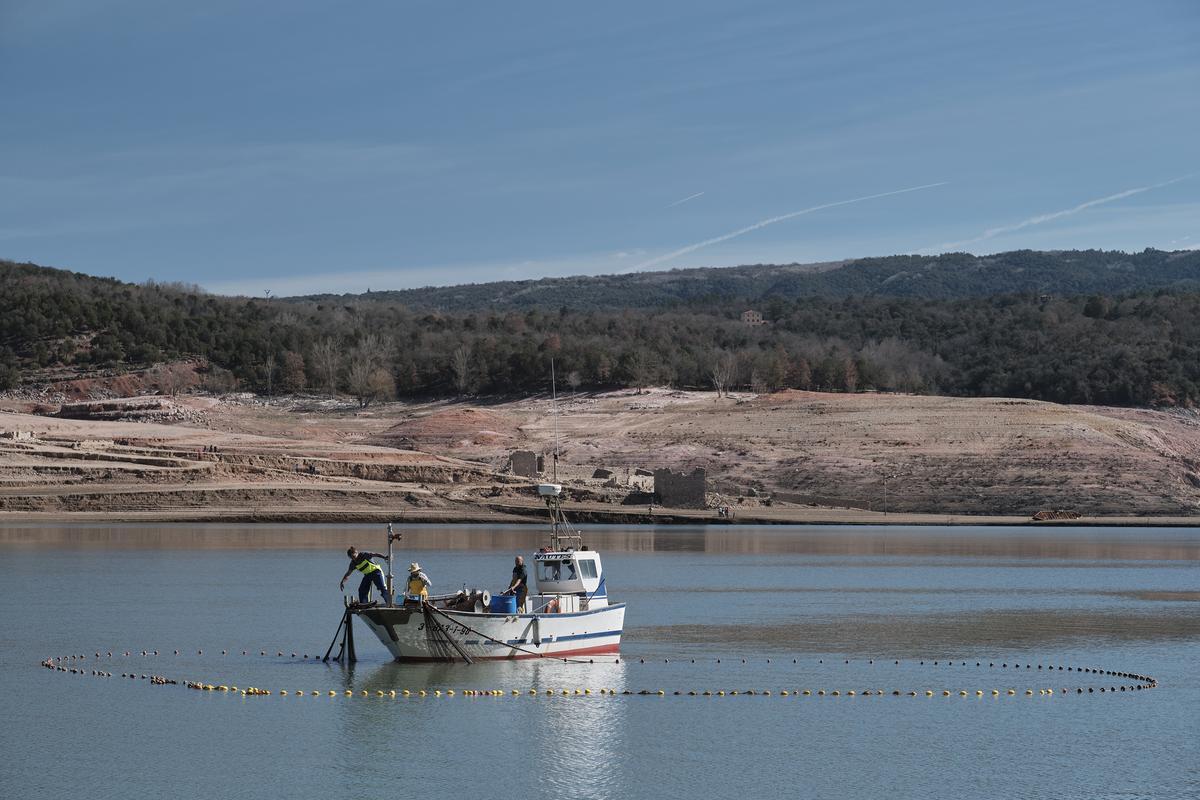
(503, 604)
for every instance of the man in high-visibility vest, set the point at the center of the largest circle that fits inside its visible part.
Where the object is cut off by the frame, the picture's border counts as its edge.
(372, 574)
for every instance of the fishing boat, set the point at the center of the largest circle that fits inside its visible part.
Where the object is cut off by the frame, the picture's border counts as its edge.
(568, 615)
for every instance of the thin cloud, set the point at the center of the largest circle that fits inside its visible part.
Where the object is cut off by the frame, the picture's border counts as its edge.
(1053, 215)
(684, 200)
(771, 221)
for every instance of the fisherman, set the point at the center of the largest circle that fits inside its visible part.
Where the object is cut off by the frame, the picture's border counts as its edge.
(520, 582)
(418, 583)
(372, 574)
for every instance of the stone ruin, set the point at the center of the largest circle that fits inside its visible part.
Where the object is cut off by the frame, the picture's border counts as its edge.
(680, 489)
(525, 463)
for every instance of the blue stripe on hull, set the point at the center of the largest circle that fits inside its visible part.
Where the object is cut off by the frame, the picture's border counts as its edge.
(474, 615)
(573, 637)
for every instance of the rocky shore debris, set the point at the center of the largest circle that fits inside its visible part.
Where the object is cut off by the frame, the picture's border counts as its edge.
(1048, 516)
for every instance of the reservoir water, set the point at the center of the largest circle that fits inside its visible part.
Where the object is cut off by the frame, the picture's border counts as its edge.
(709, 609)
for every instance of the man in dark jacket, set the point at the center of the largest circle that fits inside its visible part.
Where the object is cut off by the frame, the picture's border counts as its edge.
(520, 583)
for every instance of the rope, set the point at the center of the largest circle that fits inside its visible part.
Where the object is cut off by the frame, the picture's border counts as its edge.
(442, 641)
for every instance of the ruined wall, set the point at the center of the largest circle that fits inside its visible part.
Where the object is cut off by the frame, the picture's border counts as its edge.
(524, 463)
(680, 489)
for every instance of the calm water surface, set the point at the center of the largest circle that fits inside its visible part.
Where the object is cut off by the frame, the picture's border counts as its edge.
(794, 603)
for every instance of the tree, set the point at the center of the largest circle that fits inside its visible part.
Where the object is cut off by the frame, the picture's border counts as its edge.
(639, 369)
(291, 372)
(757, 384)
(777, 376)
(721, 372)
(367, 377)
(849, 375)
(370, 383)
(1097, 307)
(269, 365)
(170, 379)
(326, 356)
(574, 379)
(460, 368)
(358, 379)
(604, 368)
(802, 374)
(381, 385)
(218, 380)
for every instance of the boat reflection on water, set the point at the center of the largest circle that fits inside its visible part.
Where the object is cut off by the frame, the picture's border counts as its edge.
(578, 737)
(581, 739)
(542, 675)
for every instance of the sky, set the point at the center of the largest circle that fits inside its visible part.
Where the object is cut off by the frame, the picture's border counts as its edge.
(297, 147)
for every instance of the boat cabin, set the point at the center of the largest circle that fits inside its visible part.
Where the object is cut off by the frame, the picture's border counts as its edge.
(571, 574)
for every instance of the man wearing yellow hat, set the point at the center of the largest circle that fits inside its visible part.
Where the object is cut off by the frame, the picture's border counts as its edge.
(418, 583)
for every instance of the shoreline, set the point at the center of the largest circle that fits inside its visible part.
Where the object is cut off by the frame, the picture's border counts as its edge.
(523, 516)
(792, 458)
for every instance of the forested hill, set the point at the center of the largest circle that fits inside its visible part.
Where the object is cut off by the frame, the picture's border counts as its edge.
(936, 277)
(1083, 327)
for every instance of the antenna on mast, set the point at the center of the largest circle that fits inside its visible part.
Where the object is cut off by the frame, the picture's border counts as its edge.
(561, 533)
(554, 411)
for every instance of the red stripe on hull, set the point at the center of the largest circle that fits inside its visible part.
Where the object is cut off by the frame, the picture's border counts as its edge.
(583, 651)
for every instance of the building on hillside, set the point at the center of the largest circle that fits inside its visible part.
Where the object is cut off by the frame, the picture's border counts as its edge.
(753, 318)
(525, 463)
(680, 489)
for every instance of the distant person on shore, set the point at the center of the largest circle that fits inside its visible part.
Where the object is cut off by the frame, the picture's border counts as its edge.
(372, 574)
(418, 583)
(520, 582)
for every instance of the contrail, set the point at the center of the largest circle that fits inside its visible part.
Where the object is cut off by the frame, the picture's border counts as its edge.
(771, 221)
(684, 200)
(1053, 215)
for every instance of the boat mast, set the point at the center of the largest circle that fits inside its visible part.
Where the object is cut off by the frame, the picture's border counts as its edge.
(554, 413)
(560, 531)
(391, 592)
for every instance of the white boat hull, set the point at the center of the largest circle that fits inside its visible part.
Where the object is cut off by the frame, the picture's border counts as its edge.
(409, 633)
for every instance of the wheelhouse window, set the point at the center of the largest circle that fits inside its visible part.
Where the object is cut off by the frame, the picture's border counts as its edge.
(556, 570)
(587, 568)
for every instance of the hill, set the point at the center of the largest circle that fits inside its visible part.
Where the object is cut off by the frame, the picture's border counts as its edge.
(948, 276)
(1079, 327)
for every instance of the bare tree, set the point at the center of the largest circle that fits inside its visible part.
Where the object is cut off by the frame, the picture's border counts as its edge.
(573, 380)
(326, 357)
(177, 378)
(358, 379)
(722, 372)
(291, 372)
(460, 366)
(270, 365)
(373, 344)
(382, 384)
(802, 374)
(218, 380)
(367, 377)
(171, 379)
(641, 369)
(849, 375)
(757, 384)
(604, 368)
